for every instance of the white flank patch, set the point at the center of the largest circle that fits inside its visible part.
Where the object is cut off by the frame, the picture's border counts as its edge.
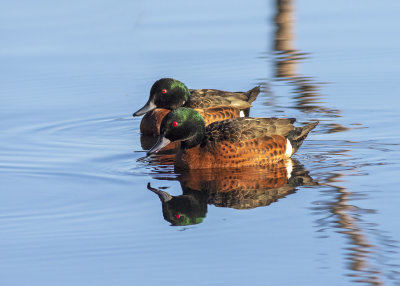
(289, 168)
(241, 113)
(289, 148)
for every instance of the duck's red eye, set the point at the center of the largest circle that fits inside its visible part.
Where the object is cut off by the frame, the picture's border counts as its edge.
(164, 91)
(174, 123)
(178, 216)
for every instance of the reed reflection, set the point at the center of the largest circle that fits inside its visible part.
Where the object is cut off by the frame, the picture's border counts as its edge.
(367, 263)
(358, 254)
(287, 59)
(244, 188)
(361, 253)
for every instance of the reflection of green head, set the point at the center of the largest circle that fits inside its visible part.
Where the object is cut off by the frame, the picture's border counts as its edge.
(182, 219)
(189, 208)
(185, 209)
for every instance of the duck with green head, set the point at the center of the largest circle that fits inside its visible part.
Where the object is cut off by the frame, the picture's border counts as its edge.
(169, 94)
(237, 142)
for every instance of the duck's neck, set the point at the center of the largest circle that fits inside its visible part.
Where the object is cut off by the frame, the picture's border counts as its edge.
(188, 101)
(185, 96)
(194, 140)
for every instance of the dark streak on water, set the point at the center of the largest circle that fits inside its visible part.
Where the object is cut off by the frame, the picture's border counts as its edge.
(76, 207)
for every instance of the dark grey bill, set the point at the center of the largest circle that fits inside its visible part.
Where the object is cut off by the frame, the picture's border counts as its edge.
(149, 106)
(164, 196)
(161, 143)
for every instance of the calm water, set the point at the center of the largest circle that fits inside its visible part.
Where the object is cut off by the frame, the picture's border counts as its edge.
(75, 208)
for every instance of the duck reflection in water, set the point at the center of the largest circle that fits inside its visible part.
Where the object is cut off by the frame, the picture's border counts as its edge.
(243, 188)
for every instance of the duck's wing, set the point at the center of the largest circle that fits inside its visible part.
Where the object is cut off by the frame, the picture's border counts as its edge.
(202, 98)
(214, 114)
(209, 101)
(245, 141)
(240, 129)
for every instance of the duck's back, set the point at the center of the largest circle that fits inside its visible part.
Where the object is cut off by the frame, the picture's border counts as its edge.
(240, 129)
(206, 98)
(215, 114)
(210, 101)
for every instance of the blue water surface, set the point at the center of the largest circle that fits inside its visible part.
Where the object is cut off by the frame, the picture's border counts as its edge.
(74, 203)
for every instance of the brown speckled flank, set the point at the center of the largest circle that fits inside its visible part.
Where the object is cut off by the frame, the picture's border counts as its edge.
(225, 154)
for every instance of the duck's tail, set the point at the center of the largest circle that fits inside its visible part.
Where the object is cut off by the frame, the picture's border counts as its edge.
(297, 136)
(252, 94)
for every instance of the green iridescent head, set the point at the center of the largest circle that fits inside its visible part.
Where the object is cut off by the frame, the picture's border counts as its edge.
(183, 124)
(165, 93)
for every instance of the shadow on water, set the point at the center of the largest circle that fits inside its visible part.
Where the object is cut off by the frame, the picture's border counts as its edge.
(367, 263)
(244, 188)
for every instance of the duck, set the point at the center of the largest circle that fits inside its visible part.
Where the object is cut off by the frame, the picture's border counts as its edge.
(237, 142)
(214, 105)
